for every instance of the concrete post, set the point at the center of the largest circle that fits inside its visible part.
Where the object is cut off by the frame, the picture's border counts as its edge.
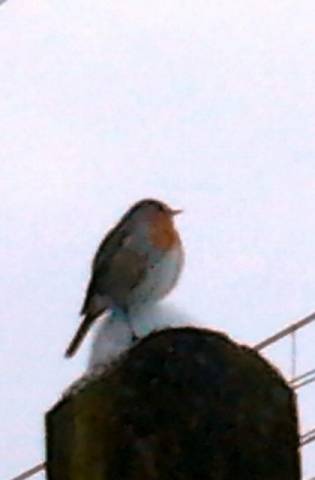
(183, 404)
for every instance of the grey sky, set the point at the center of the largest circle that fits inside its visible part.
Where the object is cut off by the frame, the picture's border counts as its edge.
(209, 106)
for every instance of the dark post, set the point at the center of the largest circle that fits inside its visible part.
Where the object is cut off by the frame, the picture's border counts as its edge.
(183, 404)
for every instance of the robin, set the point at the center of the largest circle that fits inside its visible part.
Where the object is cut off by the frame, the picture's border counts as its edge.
(137, 263)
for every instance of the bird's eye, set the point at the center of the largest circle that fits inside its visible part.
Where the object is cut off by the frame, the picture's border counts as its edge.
(162, 208)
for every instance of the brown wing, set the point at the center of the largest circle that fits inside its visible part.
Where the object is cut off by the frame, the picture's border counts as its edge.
(101, 261)
(126, 271)
(116, 269)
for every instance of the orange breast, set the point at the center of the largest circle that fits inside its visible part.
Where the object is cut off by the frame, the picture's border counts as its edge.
(162, 232)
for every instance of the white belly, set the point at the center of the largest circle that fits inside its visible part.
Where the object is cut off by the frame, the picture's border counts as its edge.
(159, 281)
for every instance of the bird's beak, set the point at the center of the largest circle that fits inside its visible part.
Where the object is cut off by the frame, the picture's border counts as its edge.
(175, 212)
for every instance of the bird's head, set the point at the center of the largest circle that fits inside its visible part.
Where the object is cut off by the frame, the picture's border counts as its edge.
(157, 218)
(149, 210)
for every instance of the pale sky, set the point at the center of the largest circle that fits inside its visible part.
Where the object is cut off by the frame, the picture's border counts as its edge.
(209, 106)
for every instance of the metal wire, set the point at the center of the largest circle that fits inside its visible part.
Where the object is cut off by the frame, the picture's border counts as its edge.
(302, 376)
(303, 379)
(307, 437)
(293, 354)
(32, 471)
(286, 331)
(303, 384)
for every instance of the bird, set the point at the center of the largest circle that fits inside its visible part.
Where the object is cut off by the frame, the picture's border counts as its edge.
(137, 263)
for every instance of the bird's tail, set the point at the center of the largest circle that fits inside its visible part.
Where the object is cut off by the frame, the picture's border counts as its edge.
(79, 336)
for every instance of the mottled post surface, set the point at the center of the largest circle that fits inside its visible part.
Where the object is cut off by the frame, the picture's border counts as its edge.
(183, 404)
